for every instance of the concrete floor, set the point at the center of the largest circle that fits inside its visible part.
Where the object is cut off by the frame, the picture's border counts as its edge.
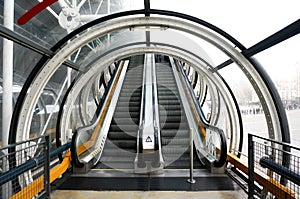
(147, 194)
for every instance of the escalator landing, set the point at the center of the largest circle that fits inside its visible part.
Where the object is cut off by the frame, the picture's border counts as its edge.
(170, 180)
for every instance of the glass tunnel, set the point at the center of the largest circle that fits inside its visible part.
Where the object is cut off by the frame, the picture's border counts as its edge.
(127, 88)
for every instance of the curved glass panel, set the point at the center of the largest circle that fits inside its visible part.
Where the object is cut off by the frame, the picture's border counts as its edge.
(282, 63)
(253, 117)
(60, 22)
(46, 111)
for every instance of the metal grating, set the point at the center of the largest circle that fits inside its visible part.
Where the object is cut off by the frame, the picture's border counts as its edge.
(277, 163)
(25, 169)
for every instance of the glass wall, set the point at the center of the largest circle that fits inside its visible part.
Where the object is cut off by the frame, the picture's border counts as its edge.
(281, 62)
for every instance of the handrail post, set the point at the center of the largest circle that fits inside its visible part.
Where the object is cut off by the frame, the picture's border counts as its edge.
(191, 179)
(251, 167)
(47, 166)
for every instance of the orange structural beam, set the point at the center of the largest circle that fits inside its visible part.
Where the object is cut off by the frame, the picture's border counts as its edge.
(273, 186)
(38, 185)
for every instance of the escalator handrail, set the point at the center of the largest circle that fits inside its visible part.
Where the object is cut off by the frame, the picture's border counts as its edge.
(80, 130)
(204, 122)
(157, 142)
(155, 108)
(142, 113)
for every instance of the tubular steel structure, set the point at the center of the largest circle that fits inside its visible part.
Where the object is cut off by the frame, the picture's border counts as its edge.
(94, 54)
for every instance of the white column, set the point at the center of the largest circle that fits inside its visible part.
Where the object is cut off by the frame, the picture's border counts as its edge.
(7, 71)
(8, 22)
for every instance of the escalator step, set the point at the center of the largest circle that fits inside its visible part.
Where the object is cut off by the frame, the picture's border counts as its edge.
(117, 152)
(177, 141)
(126, 109)
(128, 95)
(128, 104)
(172, 97)
(170, 113)
(129, 98)
(125, 128)
(175, 126)
(120, 134)
(171, 133)
(125, 114)
(174, 149)
(122, 143)
(124, 121)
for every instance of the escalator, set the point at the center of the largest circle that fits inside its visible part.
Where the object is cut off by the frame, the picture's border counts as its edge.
(115, 170)
(121, 144)
(173, 122)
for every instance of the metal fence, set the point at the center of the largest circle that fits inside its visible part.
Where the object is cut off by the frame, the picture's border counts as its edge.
(274, 170)
(24, 168)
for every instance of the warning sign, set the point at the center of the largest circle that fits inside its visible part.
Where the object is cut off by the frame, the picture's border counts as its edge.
(148, 139)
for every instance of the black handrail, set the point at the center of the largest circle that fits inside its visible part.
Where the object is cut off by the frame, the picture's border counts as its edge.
(156, 162)
(74, 146)
(75, 160)
(220, 132)
(287, 173)
(141, 163)
(102, 100)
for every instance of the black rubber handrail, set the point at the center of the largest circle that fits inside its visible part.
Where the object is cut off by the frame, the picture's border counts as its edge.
(140, 162)
(223, 148)
(86, 128)
(156, 162)
(285, 172)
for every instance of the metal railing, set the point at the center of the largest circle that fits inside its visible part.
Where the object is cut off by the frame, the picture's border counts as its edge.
(278, 164)
(22, 164)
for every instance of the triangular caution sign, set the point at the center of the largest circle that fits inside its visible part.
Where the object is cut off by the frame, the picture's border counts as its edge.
(148, 139)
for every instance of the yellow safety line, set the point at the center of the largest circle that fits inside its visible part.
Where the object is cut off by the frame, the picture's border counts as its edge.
(38, 185)
(273, 186)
